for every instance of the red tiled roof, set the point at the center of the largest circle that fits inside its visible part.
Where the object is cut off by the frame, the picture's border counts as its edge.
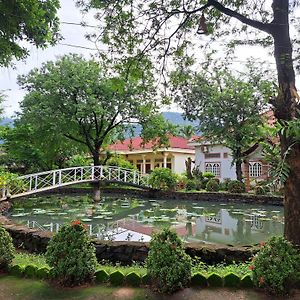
(136, 143)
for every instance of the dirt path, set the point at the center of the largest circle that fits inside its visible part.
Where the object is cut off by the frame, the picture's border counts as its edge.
(12, 288)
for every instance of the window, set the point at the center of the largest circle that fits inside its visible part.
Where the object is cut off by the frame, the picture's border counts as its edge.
(255, 169)
(212, 155)
(214, 168)
(225, 155)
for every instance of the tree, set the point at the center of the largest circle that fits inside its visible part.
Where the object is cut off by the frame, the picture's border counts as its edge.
(169, 26)
(33, 21)
(78, 100)
(227, 107)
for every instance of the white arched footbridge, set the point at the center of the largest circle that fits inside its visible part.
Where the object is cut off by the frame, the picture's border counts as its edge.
(49, 180)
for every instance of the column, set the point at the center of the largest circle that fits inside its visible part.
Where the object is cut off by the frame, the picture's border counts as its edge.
(165, 160)
(144, 164)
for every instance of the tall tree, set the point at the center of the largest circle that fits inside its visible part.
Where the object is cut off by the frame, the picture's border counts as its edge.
(169, 26)
(31, 21)
(82, 101)
(228, 107)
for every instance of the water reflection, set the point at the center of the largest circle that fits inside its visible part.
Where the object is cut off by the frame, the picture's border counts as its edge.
(136, 219)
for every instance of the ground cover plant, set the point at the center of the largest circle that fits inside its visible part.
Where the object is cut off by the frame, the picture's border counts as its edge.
(71, 255)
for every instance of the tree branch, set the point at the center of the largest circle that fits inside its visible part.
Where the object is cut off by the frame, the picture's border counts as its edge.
(266, 27)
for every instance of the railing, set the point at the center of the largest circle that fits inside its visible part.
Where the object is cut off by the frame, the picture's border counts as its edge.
(33, 183)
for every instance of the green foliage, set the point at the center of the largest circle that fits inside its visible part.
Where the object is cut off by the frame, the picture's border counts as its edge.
(30, 271)
(78, 160)
(276, 266)
(33, 21)
(214, 280)
(16, 270)
(190, 184)
(11, 180)
(71, 255)
(43, 273)
(7, 249)
(167, 264)
(116, 278)
(146, 279)
(246, 281)
(133, 279)
(120, 161)
(101, 276)
(231, 280)
(212, 185)
(208, 175)
(236, 187)
(163, 178)
(199, 279)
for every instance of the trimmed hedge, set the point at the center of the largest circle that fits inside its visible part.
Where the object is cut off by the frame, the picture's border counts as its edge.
(199, 279)
(43, 273)
(30, 271)
(246, 281)
(146, 279)
(101, 276)
(17, 270)
(133, 279)
(116, 278)
(231, 280)
(215, 280)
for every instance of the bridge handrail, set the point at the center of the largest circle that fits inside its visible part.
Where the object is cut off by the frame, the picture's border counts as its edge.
(82, 167)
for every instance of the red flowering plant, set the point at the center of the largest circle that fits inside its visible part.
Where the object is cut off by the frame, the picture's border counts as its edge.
(276, 266)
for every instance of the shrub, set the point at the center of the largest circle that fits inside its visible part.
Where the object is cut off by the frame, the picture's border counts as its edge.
(261, 188)
(146, 279)
(212, 185)
(101, 276)
(206, 176)
(71, 254)
(163, 178)
(214, 280)
(199, 279)
(167, 264)
(7, 249)
(276, 266)
(235, 186)
(231, 280)
(190, 185)
(246, 281)
(133, 279)
(42, 273)
(30, 271)
(16, 270)
(116, 278)
(120, 161)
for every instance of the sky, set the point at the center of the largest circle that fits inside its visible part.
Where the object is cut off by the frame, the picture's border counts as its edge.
(74, 35)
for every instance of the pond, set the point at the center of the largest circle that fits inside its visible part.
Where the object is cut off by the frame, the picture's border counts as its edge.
(130, 219)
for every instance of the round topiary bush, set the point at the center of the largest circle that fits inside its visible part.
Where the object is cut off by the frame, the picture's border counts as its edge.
(43, 273)
(7, 249)
(16, 270)
(133, 279)
(71, 255)
(30, 271)
(236, 187)
(231, 280)
(199, 279)
(246, 281)
(214, 280)
(190, 185)
(101, 276)
(116, 278)
(167, 263)
(163, 179)
(212, 185)
(146, 279)
(276, 267)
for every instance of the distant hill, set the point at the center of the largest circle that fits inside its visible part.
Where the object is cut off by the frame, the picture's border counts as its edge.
(177, 118)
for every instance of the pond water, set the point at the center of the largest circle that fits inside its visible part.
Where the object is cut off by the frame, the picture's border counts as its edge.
(132, 219)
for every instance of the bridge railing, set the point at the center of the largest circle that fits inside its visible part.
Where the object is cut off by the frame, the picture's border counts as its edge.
(62, 177)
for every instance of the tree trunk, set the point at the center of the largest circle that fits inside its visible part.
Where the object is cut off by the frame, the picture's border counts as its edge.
(238, 170)
(285, 109)
(96, 185)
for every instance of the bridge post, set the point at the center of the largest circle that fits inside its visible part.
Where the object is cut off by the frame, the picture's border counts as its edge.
(53, 179)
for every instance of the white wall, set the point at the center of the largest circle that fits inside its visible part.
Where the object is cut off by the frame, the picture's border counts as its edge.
(227, 170)
(178, 162)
